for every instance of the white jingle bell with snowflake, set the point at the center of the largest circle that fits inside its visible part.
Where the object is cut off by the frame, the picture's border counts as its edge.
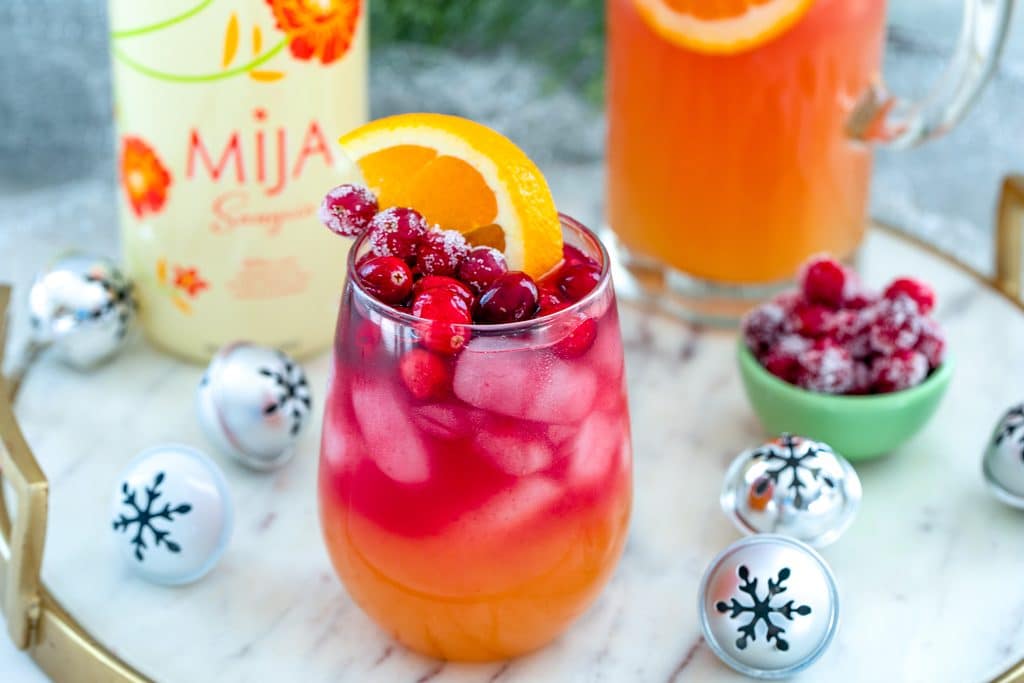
(768, 606)
(253, 403)
(1003, 463)
(82, 305)
(172, 514)
(792, 486)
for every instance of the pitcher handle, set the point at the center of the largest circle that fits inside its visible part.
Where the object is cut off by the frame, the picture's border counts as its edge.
(883, 118)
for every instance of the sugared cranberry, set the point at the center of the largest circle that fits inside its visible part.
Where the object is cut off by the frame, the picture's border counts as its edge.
(859, 297)
(789, 300)
(826, 368)
(576, 281)
(823, 281)
(425, 374)
(433, 281)
(781, 359)
(897, 326)
(441, 252)
(922, 294)
(810, 320)
(932, 342)
(549, 301)
(447, 314)
(387, 278)
(396, 232)
(579, 341)
(852, 329)
(902, 370)
(481, 267)
(511, 298)
(348, 209)
(763, 325)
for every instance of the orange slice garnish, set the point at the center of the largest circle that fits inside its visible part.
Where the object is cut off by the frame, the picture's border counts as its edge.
(463, 176)
(721, 26)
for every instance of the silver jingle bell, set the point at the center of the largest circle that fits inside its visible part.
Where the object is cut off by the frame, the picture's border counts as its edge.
(82, 305)
(172, 514)
(253, 403)
(792, 486)
(768, 606)
(1003, 462)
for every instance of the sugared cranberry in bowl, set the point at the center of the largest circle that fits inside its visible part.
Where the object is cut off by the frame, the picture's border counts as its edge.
(836, 361)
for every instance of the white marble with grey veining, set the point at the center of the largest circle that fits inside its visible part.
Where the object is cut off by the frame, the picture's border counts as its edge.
(929, 573)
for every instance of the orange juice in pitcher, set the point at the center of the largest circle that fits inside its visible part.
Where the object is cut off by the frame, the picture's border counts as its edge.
(740, 136)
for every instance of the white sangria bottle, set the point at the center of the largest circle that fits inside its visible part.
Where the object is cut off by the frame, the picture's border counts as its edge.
(227, 113)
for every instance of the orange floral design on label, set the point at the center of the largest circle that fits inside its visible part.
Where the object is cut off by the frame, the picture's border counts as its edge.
(186, 281)
(317, 28)
(144, 177)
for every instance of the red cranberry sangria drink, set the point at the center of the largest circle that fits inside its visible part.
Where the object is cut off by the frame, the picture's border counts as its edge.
(475, 475)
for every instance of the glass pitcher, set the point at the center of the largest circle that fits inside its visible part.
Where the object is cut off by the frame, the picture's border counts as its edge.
(734, 157)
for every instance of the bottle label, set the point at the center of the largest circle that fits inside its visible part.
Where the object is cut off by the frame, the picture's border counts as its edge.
(227, 114)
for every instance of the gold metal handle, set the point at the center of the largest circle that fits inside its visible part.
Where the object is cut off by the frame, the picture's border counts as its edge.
(1010, 237)
(1014, 674)
(36, 622)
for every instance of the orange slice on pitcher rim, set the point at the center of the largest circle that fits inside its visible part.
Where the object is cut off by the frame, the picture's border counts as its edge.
(721, 26)
(463, 176)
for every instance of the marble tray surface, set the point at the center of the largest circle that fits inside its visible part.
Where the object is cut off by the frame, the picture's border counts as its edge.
(929, 572)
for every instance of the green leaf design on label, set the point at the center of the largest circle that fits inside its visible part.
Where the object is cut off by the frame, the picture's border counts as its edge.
(121, 57)
(142, 30)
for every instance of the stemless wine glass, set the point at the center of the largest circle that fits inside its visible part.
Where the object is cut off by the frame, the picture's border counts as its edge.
(730, 166)
(475, 504)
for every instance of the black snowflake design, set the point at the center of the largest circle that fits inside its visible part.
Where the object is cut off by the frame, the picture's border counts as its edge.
(145, 515)
(785, 456)
(293, 393)
(762, 610)
(1010, 425)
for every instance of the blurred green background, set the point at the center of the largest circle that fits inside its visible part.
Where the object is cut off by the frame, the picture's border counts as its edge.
(571, 45)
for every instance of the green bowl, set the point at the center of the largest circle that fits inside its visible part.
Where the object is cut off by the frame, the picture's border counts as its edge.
(859, 427)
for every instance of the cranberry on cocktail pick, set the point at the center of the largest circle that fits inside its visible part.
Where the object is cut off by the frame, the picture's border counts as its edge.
(481, 267)
(511, 298)
(397, 231)
(387, 278)
(348, 209)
